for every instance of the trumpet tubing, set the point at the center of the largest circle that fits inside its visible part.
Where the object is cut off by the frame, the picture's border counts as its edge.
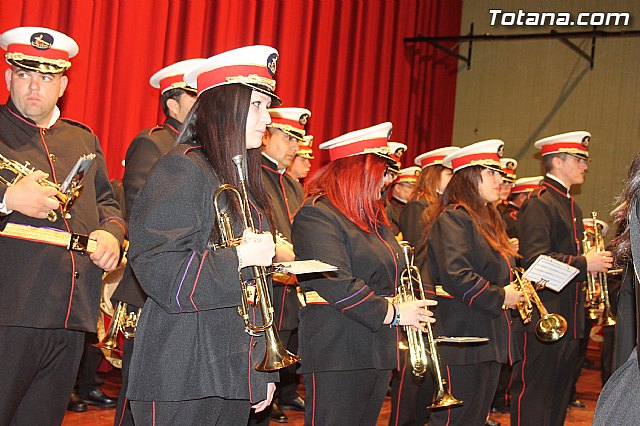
(550, 327)
(422, 359)
(276, 356)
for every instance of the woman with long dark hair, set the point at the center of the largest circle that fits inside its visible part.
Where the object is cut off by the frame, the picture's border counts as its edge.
(469, 255)
(347, 333)
(619, 401)
(193, 361)
(410, 395)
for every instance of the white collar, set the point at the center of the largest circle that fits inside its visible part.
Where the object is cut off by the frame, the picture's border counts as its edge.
(54, 117)
(560, 182)
(281, 171)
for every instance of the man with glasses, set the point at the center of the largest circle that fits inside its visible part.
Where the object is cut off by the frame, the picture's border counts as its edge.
(550, 223)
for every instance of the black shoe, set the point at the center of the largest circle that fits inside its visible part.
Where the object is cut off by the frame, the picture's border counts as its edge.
(277, 415)
(98, 398)
(576, 403)
(500, 410)
(296, 404)
(76, 404)
(491, 422)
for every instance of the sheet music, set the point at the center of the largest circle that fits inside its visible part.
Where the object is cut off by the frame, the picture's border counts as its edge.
(77, 173)
(550, 272)
(304, 267)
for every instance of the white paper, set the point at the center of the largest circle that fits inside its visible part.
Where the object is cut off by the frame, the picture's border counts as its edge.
(551, 273)
(461, 339)
(77, 174)
(304, 267)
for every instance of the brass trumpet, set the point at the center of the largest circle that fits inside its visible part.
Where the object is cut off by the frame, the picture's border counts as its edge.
(550, 327)
(598, 304)
(21, 170)
(276, 356)
(422, 358)
(121, 322)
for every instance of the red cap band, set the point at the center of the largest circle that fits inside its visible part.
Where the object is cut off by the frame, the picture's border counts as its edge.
(428, 161)
(558, 146)
(219, 75)
(356, 148)
(293, 123)
(464, 160)
(27, 49)
(166, 83)
(524, 188)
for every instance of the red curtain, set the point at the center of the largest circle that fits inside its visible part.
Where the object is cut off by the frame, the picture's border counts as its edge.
(344, 60)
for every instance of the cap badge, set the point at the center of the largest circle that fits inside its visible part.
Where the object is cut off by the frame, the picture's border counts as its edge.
(41, 41)
(398, 152)
(500, 150)
(510, 165)
(272, 63)
(303, 119)
(585, 141)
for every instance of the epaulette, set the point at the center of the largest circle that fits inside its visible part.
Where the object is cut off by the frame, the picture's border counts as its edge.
(78, 124)
(153, 129)
(536, 193)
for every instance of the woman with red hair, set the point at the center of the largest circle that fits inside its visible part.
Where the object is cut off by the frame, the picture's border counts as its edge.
(347, 334)
(469, 255)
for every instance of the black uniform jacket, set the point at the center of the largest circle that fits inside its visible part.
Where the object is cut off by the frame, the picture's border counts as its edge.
(550, 223)
(634, 230)
(394, 210)
(473, 274)
(42, 285)
(190, 341)
(142, 154)
(347, 333)
(509, 213)
(286, 199)
(412, 228)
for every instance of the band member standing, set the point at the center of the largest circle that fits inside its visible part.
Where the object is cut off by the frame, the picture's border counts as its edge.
(401, 190)
(301, 164)
(469, 254)
(519, 193)
(204, 372)
(509, 166)
(280, 145)
(396, 151)
(176, 99)
(549, 223)
(57, 290)
(347, 347)
(411, 396)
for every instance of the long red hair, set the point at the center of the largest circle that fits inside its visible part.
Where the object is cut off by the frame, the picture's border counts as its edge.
(352, 185)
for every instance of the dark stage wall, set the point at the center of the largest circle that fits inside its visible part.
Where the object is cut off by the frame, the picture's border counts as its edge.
(343, 60)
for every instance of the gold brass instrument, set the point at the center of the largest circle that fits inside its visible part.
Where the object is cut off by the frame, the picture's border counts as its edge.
(21, 170)
(276, 356)
(422, 359)
(550, 327)
(598, 304)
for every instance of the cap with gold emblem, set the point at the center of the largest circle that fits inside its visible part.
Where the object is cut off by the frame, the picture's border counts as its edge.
(572, 143)
(290, 120)
(304, 148)
(509, 166)
(251, 66)
(372, 140)
(396, 151)
(408, 175)
(38, 49)
(526, 184)
(434, 157)
(172, 77)
(485, 153)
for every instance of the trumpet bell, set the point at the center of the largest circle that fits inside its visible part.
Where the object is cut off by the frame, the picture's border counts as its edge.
(446, 400)
(551, 327)
(276, 356)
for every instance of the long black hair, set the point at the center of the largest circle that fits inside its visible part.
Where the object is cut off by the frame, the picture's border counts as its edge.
(218, 122)
(626, 200)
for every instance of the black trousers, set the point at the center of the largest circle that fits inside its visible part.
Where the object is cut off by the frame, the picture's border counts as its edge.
(542, 381)
(123, 409)
(197, 412)
(87, 378)
(411, 396)
(475, 384)
(38, 369)
(351, 398)
(287, 388)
